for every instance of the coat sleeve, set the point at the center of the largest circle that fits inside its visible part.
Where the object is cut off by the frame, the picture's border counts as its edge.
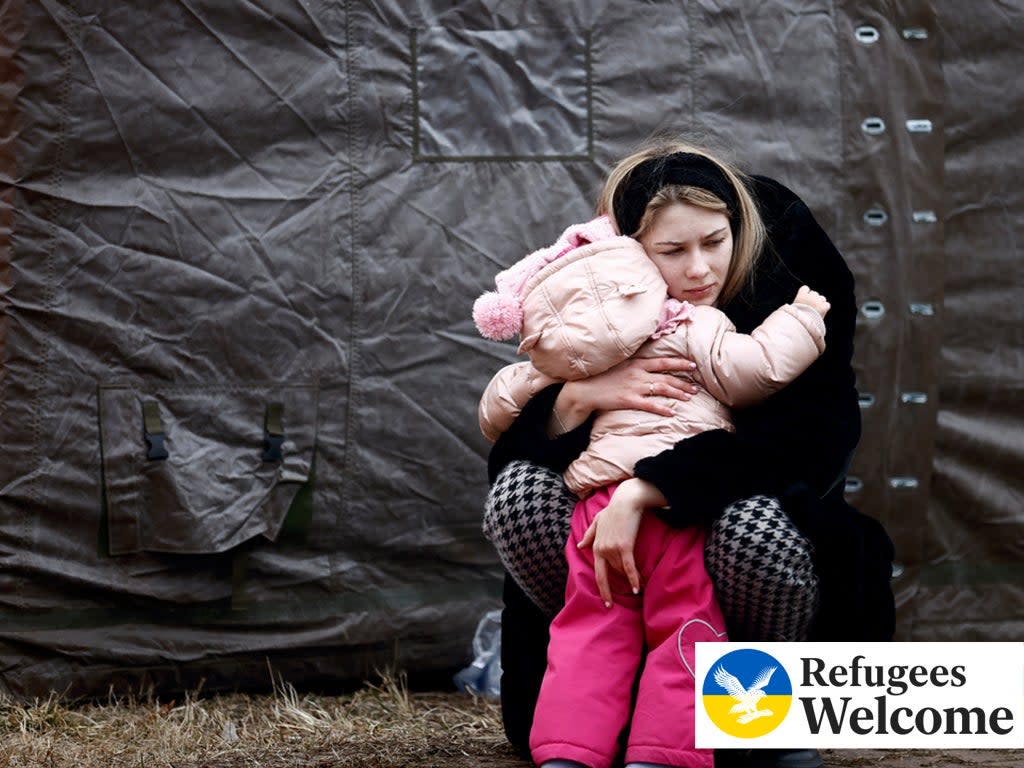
(803, 435)
(527, 438)
(506, 394)
(740, 369)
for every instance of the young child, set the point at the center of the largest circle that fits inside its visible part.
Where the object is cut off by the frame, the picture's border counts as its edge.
(575, 324)
(581, 306)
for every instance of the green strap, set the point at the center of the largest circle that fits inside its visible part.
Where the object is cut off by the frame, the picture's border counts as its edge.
(153, 431)
(273, 433)
(151, 417)
(273, 423)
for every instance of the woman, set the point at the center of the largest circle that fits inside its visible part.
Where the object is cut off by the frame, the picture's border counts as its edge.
(773, 490)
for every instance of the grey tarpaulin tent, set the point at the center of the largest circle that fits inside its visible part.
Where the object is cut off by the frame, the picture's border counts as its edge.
(228, 229)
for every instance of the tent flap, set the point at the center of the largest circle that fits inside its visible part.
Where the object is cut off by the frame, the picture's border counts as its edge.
(202, 470)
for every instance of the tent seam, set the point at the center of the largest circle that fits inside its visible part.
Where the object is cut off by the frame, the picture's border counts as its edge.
(49, 294)
(352, 394)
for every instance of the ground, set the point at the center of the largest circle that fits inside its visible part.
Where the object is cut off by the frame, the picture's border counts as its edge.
(382, 725)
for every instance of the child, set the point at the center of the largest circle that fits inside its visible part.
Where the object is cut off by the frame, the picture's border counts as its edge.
(582, 306)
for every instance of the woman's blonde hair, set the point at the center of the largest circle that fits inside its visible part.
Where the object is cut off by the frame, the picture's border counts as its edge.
(748, 232)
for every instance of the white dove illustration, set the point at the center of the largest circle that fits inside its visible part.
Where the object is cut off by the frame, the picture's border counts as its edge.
(748, 698)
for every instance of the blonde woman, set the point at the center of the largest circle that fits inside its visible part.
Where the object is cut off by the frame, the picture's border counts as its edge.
(788, 557)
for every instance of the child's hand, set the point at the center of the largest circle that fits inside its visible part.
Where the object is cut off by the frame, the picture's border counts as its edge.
(812, 299)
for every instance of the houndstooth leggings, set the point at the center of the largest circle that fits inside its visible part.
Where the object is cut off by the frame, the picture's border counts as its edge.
(758, 561)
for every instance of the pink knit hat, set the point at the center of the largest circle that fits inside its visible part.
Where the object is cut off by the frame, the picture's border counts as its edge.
(499, 314)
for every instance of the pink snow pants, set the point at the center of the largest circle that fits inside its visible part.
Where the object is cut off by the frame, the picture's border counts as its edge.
(595, 651)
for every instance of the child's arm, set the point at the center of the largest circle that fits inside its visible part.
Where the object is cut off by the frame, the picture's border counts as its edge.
(741, 370)
(506, 394)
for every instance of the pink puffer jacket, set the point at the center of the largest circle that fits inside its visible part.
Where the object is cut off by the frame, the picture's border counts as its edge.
(733, 369)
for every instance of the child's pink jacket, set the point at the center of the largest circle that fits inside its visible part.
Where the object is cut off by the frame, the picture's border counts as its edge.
(733, 369)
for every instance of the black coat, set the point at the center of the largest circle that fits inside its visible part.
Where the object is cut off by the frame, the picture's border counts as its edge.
(796, 446)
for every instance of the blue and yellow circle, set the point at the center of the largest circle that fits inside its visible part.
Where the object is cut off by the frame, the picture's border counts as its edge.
(747, 693)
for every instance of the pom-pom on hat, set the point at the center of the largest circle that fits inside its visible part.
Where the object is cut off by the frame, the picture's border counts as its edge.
(499, 314)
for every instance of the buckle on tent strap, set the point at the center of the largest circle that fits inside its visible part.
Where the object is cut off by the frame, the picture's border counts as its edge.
(153, 431)
(273, 433)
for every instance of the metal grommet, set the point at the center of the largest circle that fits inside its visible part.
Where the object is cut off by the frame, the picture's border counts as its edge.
(873, 126)
(914, 398)
(853, 484)
(866, 34)
(903, 482)
(865, 399)
(921, 308)
(875, 217)
(873, 309)
(915, 33)
(919, 126)
(924, 217)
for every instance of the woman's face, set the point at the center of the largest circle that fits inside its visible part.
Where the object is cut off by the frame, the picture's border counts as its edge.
(692, 246)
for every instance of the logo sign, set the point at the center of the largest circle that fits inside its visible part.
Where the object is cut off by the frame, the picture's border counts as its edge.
(747, 693)
(860, 695)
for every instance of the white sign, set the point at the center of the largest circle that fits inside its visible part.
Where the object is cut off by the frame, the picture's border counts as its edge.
(860, 695)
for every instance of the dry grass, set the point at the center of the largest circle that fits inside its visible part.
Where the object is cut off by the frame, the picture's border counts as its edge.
(382, 725)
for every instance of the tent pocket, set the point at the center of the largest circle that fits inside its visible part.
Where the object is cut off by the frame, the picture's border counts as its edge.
(198, 469)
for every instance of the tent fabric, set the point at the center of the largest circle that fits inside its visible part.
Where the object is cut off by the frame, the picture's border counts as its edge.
(211, 214)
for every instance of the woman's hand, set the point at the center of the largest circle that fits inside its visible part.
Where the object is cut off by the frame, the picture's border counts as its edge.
(636, 383)
(612, 534)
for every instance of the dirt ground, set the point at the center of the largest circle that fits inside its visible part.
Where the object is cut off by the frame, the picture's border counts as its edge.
(929, 758)
(503, 757)
(847, 758)
(860, 758)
